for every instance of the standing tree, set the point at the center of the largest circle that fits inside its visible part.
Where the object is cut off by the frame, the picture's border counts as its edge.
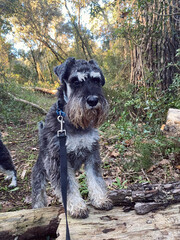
(156, 29)
(82, 44)
(38, 23)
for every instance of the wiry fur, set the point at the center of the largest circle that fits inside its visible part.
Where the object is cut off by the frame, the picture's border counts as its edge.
(6, 164)
(82, 116)
(81, 97)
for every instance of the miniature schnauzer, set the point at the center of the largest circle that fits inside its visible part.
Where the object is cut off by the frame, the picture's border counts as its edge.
(6, 164)
(85, 106)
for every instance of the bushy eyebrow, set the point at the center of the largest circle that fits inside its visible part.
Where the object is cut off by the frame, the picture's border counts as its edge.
(82, 76)
(95, 75)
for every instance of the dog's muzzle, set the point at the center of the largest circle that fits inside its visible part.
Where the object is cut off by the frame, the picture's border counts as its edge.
(84, 112)
(92, 100)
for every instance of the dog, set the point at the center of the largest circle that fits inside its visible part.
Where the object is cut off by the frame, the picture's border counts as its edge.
(81, 98)
(6, 165)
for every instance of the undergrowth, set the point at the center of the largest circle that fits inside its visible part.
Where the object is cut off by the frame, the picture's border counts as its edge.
(135, 120)
(11, 110)
(132, 128)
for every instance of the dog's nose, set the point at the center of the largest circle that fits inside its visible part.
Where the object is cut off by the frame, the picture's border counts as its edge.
(92, 100)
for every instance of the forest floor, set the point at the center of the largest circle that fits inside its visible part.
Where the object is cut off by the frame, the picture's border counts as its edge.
(20, 135)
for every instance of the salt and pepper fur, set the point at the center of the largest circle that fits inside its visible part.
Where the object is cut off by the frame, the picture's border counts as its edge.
(82, 99)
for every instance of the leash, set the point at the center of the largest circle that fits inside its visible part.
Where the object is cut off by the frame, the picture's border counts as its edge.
(61, 134)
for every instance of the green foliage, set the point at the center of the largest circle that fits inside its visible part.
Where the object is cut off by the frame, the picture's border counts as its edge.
(83, 186)
(11, 110)
(137, 116)
(148, 105)
(22, 72)
(118, 184)
(145, 156)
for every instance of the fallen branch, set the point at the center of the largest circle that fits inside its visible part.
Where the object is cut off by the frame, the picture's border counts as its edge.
(43, 90)
(144, 198)
(29, 103)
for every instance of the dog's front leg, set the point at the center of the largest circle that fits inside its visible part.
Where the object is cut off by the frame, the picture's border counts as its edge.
(96, 186)
(76, 206)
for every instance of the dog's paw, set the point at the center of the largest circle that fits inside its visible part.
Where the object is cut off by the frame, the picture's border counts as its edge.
(39, 205)
(77, 209)
(105, 204)
(12, 185)
(79, 213)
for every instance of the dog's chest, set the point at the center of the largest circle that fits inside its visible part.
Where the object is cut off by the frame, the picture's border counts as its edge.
(78, 142)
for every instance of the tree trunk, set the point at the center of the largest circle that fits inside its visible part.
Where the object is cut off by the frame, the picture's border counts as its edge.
(157, 45)
(34, 62)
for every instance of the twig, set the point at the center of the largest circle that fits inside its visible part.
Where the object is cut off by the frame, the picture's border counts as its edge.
(29, 103)
(145, 175)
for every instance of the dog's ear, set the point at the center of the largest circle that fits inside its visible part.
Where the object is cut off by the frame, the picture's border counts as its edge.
(63, 70)
(93, 62)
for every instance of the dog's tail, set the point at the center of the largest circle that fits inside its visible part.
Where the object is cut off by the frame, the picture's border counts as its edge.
(40, 127)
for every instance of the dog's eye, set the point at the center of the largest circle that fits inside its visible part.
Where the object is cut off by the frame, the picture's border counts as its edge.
(96, 80)
(75, 82)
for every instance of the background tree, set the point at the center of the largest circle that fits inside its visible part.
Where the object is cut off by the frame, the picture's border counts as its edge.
(156, 32)
(37, 22)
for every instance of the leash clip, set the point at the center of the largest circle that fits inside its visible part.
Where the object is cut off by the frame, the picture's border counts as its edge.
(62, 131)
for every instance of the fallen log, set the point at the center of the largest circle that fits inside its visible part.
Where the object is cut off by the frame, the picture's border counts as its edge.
(45, 90)
(37, 224)
(30, 224)
(116, 225)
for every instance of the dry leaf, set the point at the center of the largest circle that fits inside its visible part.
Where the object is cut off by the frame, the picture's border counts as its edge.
(23, 173)
(151, 169)
(115, 154)
(162, 127)
(127, 143)
(110, 148)
(4, 134)
(164, 162)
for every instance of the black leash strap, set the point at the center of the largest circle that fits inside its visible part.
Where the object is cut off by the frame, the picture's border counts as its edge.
(61, 134)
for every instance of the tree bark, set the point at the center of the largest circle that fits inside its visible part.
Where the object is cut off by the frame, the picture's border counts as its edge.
(151, 196)
(157, 45)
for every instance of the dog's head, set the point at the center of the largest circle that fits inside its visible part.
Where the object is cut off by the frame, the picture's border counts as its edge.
(82, 89)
